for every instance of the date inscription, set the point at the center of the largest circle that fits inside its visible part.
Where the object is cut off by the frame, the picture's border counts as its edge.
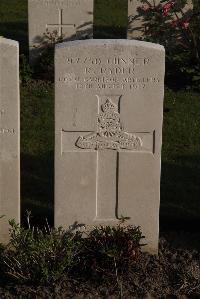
(101, 73)
(6, 131)
(97, 82)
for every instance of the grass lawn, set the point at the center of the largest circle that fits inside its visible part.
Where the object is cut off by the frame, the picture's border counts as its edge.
(180, 188)
(14, 21)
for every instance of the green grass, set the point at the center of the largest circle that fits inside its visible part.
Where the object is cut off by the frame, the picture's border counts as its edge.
(37, 146)
(14, 21)
(180, 186)
(110, 18)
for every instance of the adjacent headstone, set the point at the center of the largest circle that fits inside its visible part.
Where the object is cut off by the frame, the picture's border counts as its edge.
(108, 114)
(136, 22)
(9, 135)
(69, 19)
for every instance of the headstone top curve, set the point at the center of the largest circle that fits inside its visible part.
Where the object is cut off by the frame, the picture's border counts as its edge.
(108, 42)
(7, 41)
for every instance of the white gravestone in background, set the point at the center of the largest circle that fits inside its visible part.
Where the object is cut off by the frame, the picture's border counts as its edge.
(108, 114)
(136, 22)
(9, 135)
(71, 19)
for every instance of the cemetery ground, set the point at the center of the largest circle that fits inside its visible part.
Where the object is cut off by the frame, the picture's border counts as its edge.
(176, 270)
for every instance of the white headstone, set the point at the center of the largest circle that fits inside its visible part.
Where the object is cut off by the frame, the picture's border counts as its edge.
(9, 135)
(71, 19)
(136, 22)
(109, 110)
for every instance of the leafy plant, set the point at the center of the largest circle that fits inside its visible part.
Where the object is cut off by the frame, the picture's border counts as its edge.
(44, 256)
(168, 24)
(111, 249)
(38, 256)
(25, 69)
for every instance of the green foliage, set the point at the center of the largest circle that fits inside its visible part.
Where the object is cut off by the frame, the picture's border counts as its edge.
(177, 30)
(38, 256)
(43, 256)
(25, 70)
(110, 249)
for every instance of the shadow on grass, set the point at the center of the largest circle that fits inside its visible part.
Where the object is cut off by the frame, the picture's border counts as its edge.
(109, 32)
(180, 191)
(37, 188)
(110, 19)
(17, 31)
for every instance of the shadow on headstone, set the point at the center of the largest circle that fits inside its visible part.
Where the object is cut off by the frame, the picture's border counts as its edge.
(42, 54)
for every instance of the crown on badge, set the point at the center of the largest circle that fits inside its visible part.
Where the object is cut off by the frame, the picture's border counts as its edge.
(108, 105)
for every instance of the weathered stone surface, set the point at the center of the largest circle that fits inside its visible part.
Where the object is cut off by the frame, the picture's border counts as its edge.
(136, 22)
(9, 135)
(109, 107)
(71, 19)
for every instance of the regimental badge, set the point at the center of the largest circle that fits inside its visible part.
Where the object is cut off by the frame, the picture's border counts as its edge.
(109, 134)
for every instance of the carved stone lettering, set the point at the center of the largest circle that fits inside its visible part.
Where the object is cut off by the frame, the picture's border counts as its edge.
(106, 73)
(139, 61)
(7, 131)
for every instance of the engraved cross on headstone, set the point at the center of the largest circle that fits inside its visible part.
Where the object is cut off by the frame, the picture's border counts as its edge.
(108, 141)
(60, 24)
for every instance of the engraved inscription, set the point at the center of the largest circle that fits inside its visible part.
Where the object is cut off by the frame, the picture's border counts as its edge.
(60, 24)
(109, 81)
(139, 61)
(110, 134)
(7, 131)
(108, 73)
